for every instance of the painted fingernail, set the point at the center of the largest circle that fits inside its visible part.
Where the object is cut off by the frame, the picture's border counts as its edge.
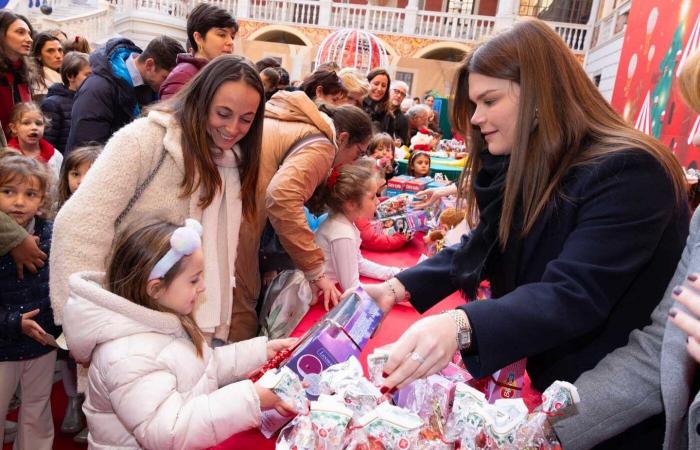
(672, 313)
(392, 390)
(384, 374)
(384, 390)
(677, 290)
(692, 277)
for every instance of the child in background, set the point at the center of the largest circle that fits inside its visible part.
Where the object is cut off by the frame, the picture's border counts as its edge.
(153, 380)
(376, 240)
(381, 148)
(351, 194)
(419, 164)
(74, 169)
(27, 125)
(26, 319)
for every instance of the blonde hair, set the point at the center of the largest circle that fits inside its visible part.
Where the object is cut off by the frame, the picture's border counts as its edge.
(14, 166)
(20, 109)
(76, 158)
(689, 81)
(135, 252)
(355, 83)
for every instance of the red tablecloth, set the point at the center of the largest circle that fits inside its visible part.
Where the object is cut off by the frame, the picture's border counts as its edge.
(398, 320)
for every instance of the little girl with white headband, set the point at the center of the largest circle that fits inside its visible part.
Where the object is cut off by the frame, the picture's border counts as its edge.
(153, 380)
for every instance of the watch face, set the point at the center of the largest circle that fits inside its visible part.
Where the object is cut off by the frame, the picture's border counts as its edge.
(463, 340)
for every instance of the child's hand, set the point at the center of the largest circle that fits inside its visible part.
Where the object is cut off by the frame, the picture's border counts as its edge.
(28, 254)
(33, 329)
(277, 345)
(270, 400)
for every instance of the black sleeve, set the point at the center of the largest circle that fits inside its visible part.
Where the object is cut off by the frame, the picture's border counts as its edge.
(624, 209)
(92, 114)
(430, 281)
(52, 110)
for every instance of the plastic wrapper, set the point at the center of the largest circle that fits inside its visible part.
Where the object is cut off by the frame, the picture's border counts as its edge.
(536, 433)
(287, 386)
(430, 399)
(324, 428)
(375, 364)
(337, 376)
(394, 206)
(361, 396)
(387, 427)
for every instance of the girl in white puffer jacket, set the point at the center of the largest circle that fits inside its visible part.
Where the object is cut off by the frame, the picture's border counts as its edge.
(153, 382)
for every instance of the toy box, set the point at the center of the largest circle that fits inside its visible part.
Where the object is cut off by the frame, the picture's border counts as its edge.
(398, 183)
(417, 184)
(411, 221)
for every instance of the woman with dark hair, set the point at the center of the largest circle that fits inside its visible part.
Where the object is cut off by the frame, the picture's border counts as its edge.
(15, 75)
(210, 31)
(378, 103)
(324, 86)
(301, 145)
(196, 155)
(48, 55)
(581, 222)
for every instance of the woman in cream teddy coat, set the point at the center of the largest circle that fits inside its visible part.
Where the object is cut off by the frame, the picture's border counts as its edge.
(144, 169)
(165, 397)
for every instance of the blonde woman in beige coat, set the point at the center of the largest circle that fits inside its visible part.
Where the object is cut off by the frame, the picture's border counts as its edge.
(195, 156)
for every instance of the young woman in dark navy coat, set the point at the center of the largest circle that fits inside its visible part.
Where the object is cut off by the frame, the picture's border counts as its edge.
(581, 222)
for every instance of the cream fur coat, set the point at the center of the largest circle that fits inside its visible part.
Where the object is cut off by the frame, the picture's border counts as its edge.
(85, 227)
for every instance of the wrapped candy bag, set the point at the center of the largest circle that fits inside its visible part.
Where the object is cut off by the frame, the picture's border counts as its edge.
(323, 429)
(361, 396)
(375, 364)
(387, 427)
(536, 433)
(337, 376)
(287, 385)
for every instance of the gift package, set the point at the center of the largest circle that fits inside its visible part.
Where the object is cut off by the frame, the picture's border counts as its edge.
(440, 412)
(341, 334)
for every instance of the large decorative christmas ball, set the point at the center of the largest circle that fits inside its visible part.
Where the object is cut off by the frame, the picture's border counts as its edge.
(352, 48)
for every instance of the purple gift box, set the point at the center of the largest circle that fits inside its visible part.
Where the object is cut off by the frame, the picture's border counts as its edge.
(341, 333)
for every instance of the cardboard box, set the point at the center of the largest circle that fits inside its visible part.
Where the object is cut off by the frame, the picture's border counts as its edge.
(412, 221)
(417, 184)
(398, 183)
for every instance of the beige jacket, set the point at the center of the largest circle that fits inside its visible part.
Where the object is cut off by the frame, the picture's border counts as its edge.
(283, 189)
(147, 387)
(85, 226)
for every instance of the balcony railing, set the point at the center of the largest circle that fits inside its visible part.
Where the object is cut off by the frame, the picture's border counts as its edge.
(325, 13)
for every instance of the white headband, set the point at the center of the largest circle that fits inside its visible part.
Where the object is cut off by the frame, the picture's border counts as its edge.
(184, 241)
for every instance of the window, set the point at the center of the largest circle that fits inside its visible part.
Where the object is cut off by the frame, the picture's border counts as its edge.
(596, 79)
(406, 77)
(569, 11)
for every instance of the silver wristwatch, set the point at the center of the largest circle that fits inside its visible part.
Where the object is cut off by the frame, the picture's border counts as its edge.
(464, 331)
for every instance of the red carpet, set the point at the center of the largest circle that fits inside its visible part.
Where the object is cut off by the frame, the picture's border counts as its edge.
(58, 407)
(400, 318)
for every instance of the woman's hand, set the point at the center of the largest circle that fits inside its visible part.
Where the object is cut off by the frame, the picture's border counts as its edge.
(331, 295)
(689, 296)
(28, 254)
(433, 195)
(424, 348)
(383, 295)
(277, 345)
(33, 329)
(270, 400)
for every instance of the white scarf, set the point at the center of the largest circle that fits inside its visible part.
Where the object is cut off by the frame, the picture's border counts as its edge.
(221, 222)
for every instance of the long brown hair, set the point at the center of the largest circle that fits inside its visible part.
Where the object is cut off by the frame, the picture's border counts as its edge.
(80, 155)
(136, 250)
(384, 104)
(190, 107)
(563, 121)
